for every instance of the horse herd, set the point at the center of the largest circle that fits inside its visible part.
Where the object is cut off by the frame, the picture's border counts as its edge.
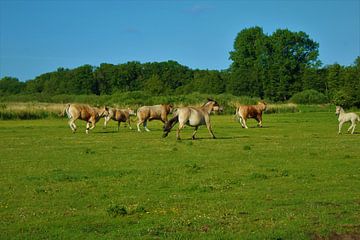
(191, 116)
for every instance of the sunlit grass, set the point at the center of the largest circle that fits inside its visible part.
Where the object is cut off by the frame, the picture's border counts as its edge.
(291, 179)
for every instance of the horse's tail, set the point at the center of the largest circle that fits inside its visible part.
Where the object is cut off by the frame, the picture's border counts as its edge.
(170, 124)
(66, 110)
(237, 115)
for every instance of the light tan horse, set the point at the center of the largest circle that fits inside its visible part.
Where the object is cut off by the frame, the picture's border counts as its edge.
(192, 116)
(119, 115)
(244, 112)
(156, 112)
(84, 112)
(346, 117)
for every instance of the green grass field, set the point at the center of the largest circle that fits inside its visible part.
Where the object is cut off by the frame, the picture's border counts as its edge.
(296, 178)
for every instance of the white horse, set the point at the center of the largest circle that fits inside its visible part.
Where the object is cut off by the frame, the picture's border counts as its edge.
(346, 117)
(192, 116)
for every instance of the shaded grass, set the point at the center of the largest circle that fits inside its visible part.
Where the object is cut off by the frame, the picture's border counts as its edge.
(293, 179)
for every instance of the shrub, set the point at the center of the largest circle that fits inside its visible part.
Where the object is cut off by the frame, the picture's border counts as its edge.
(341, 98)
(309, 97)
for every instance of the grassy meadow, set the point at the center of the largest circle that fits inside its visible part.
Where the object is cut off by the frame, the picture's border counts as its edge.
(295, 178)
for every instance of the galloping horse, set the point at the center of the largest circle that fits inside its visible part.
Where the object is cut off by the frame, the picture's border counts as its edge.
(191, 116)
(244, 112)
(346, 117)
(119, 115)
(84, 112)
(158, 112)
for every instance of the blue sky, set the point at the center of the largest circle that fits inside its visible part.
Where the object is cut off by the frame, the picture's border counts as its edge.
(41, 36)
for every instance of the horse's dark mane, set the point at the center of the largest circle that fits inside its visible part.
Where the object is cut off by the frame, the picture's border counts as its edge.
(209, 100)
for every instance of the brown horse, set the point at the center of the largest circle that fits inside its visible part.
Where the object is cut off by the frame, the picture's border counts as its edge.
(119, 115)
(192, 116)
(84, 112)
(244, 112)
(148, 113)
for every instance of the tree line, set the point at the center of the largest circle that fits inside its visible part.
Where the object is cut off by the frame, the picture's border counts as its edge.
(276, 67)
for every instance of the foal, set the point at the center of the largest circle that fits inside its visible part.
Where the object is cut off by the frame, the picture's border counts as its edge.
(346, 117)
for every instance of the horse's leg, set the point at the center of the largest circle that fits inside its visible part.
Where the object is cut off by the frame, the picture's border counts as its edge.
(340, 126)
(181, 126)
(241, 122)
(145, 126)
(74, 125)
(129, 124)
(106, 122)
(138, 125)
(87, 127)
(353, 124)
(193, 136)
(259, 121)
(245, 126)
(353, 128)
(208, 125)
(164, 118)
(92, 121)
(71, 123)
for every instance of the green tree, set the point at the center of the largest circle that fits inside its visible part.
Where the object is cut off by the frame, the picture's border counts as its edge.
(10, 85)
(105, 76)
(83, 81)
(291, 53)
(208, 81)
(248, 70)
(154, 85)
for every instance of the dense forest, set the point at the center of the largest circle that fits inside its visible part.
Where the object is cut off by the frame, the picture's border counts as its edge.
(276, 67)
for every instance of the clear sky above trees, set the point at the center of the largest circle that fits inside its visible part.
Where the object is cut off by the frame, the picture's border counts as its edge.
(41, 36)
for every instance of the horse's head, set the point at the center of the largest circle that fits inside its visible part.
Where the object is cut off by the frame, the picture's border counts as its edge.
(338, 110)
(262, 104)
(170, 108)
(212, 105)
(131, 112)
(104, 112)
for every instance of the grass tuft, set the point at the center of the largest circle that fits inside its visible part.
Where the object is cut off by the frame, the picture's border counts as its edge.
(116, 211)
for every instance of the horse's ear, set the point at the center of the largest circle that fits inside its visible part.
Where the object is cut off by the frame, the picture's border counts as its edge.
(209, 99)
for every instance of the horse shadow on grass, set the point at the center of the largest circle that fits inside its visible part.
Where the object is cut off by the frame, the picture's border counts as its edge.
(106, 132)
(217, 138)
(256, 127)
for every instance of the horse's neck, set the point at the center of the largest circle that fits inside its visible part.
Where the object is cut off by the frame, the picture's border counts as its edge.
(207, 108)
(341, 112)
(262, 106)
(99, 112)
